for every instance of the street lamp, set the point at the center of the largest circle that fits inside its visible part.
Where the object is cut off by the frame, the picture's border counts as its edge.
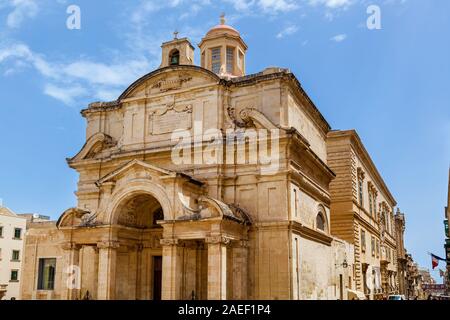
(343, 264)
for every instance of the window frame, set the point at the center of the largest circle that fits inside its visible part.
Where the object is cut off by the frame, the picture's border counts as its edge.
(1, 232)
(373, 246)
(40, 276)
(230, 67)
(18, 256)
(218, 61)
(324, 222)
(16, 271)
(363, 240)
(14, 235)
(173, 53)
(370, 202)
(361, 191)
(378, 249)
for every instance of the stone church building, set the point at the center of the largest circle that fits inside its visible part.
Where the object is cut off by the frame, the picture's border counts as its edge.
(148, 226)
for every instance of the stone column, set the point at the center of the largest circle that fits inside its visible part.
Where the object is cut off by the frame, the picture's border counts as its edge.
(107, 262)
(71, 271)
(139, 249)
(172, 269)
(217, 267)
(240, 266)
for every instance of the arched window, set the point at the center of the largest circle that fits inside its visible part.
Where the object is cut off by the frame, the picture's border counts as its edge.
(174, 58)
(320, 221)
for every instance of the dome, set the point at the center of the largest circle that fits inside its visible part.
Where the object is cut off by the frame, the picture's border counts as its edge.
(221, 29)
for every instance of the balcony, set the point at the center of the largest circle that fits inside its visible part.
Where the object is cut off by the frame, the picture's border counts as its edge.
(3, 290)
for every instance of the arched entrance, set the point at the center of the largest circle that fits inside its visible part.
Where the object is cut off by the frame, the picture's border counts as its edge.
(139, 255)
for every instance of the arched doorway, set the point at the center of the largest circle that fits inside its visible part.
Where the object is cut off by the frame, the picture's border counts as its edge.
(139, 256)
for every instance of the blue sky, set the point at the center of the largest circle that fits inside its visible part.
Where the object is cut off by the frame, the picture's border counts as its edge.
(391, 85)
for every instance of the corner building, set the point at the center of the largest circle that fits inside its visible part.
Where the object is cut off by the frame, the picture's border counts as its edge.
(148, 227)
(362, 213)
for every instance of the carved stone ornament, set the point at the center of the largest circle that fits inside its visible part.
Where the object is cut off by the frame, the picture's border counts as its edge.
(169, 118)
(171, 84)
(113, 244)
(70, 246)
(169, 242)
(172, 106)
(218, 240)
(231, 111)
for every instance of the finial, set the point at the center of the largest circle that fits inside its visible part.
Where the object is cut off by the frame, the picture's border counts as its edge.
(175, 35)
(222, 18)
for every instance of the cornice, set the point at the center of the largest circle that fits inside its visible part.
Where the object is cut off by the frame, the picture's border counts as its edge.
(311, 234)
(356, 143)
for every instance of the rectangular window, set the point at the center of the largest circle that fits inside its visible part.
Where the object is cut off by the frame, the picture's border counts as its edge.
(378, 248)
(15, 255)
(375, 206)
(363, 241)
(215, 60)
(1, 232)
(46, 276)
(14, 275)
(296, 202)
(17, 233)
(230, 60)
(370, 203)
(360, 188)
(373, 246)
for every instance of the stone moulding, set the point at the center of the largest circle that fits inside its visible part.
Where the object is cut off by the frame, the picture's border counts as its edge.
(95, 144)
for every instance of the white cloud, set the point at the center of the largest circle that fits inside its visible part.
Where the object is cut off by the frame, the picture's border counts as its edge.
(339, 37)
(290, 30)
(241, 5)
(277, 5)
(333, 4)
(100, 73)
(67, 81)
(21, 9)
(266, 6)
(67, 95)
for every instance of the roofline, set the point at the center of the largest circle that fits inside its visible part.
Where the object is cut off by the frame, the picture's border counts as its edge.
(247, 79)
(178, 40)
(226, 35)
(357, 142)
(162, 70)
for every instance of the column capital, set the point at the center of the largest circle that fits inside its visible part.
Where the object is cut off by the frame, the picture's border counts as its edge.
(70, 246)
(169, 242)
(217, 240)
(113, 244)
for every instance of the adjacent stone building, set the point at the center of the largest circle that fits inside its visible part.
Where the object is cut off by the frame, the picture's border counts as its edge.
(362, 213)
(236, 206)
(402, 269)
(12, 230)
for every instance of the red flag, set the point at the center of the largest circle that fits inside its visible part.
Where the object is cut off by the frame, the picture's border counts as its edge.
(434, 261)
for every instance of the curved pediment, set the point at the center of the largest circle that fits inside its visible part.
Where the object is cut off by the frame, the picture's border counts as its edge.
(94, 145)
(168, 79)
(75, 217)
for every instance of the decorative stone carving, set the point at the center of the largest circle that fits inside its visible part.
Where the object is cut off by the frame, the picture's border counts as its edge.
(108, 244)
(70, 246)
(170, 118)
(218, 240)
(169, 242)
(165, 84)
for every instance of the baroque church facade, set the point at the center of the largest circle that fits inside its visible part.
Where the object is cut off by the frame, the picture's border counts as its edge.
(148, 227)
